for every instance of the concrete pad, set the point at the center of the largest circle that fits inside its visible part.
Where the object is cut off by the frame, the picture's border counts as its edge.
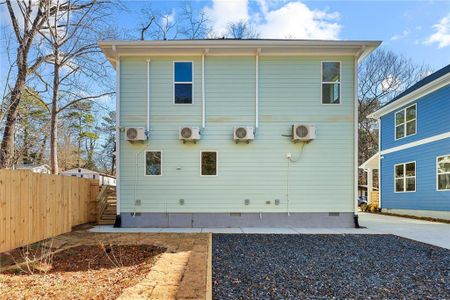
(181, 230)
(433, 233)
(222, 230)
(268, 230)
(110, 229)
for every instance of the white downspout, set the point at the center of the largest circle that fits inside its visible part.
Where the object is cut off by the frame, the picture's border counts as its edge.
(356, 127)
(379, 162)
(257, 88)
(148, 98)
(118, 137)
(203, 92)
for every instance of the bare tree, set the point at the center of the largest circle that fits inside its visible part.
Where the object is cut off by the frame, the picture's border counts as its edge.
(27, 18)
(382, 76)
(241, 30)
(75, 57)
(196, 23)
(158, 26)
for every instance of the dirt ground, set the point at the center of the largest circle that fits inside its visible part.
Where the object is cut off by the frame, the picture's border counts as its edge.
(164, 266)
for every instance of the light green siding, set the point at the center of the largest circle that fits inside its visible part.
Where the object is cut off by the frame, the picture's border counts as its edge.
(290, 88)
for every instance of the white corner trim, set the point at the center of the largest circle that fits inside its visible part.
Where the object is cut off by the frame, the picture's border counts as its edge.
(355, 129)
(118, 137)
(417, 143)
(419, 93)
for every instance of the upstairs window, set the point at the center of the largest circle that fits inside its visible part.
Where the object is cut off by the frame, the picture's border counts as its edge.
(182, 82)
(443, 173)
(331, 82)
(405, 122)
(405, 177)
(153, 163)
(208, 163)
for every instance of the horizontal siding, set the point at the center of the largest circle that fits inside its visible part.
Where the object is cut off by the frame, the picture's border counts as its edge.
(321, 181)
(426, 197)
(433, 117)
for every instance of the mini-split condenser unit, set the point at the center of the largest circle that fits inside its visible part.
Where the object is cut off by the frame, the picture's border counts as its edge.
(134, 134)
(303, 132)
(243, 134)
(189, 134)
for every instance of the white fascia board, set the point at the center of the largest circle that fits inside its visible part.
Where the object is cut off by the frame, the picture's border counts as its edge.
(419, 93)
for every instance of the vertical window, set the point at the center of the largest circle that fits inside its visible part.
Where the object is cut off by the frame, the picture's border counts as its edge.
(405, 177)
(331, 82)
(153, 163)
(182, 82)
(443, 173)
(208, 163)
(405, 122)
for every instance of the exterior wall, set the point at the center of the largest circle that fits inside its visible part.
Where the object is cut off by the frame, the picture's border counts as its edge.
(290, 92)
(433, 118)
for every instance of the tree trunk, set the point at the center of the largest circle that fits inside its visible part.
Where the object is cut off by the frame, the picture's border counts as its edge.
(7, 146)
(54, 120)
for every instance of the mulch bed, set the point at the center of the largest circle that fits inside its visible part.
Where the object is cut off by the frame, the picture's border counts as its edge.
(328, 266)
(82, 272)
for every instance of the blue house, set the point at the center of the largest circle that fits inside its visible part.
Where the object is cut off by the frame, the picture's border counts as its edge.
(415, 149)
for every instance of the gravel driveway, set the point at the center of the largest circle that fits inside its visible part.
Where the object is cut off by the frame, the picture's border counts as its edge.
(326, 266)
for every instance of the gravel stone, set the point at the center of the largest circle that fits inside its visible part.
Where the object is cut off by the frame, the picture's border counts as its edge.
(269, 266)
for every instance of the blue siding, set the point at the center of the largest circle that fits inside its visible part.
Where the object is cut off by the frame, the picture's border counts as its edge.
(433, 117)
(426, 196)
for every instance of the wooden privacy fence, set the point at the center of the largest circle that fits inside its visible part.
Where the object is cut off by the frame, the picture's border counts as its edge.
(375, 199)
(34, 207)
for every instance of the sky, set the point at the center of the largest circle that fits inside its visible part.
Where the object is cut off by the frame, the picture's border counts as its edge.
(417, 29)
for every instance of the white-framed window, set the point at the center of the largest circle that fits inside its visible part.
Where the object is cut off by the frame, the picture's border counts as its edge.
(209, 163)
(405, 177)
(443, 173)
(153, 163)
(405, 122)
(183, 82)
(331, 82)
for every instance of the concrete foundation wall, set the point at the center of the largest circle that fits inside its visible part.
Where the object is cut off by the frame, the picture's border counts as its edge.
(196, 220)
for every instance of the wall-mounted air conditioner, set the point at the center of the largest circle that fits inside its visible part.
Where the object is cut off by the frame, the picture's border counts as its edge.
(303, 132)
(134, 134)
(243, 134)
(189, 134)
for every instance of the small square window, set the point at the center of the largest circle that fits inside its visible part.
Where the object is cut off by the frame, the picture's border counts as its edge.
(182, 88)
(405, 177)
(209, 163)
(331, 82)
(153, 163)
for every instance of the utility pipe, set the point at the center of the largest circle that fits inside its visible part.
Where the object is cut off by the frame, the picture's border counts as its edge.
(203, 92)
(257, 88)
(148, 98)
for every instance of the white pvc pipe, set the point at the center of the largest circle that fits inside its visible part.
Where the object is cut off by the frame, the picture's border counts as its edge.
(203, 92)
(257, 90)
(148, 96)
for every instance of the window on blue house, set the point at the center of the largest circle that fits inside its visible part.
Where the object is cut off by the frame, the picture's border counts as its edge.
(331, 82)
(405, 122)
(443, 173)
(405, 177)
(182, 82)
(153, 163)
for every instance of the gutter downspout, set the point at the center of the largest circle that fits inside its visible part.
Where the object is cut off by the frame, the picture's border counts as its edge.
(118, 221)
(258, 51)
(148, 98)
(356, 140)
(203, 91)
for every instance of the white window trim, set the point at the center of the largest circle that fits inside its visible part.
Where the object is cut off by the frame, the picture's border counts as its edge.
(145, 163)
(217, 163)
(437, 174)
(404, 177)
(322, 82)
(404, 124)
(185, 82)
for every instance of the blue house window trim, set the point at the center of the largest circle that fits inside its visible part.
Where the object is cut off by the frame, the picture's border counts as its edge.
(445, 173)
(183, 82)
(404, 177)
(405, 125)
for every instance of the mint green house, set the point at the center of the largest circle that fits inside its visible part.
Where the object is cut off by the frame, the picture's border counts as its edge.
(229, 133)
